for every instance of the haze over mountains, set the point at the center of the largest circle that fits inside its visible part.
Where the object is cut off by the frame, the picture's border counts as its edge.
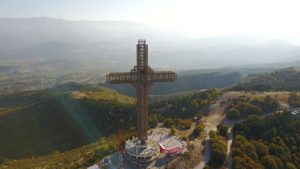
(115, 42)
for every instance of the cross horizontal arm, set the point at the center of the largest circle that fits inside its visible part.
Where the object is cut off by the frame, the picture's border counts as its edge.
(120, 77)
(163, 76)
(128, 77)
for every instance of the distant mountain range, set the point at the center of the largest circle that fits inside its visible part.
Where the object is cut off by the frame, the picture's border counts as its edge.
(246, 69)
(56, 39)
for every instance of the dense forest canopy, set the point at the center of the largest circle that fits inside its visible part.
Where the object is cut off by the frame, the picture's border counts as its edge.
(280, 80)
(272, 142)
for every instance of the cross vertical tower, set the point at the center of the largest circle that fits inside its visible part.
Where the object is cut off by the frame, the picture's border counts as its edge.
(142, 90)
(142, 78)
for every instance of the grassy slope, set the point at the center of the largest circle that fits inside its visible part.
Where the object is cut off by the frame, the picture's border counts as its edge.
(169, 96)
(108, 94)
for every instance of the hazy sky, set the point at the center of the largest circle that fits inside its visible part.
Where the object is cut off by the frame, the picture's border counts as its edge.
(208, 17)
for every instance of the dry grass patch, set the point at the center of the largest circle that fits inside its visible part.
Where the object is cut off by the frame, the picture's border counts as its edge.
(106, 94)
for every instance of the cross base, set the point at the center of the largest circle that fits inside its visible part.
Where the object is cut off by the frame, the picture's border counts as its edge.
(142, 152)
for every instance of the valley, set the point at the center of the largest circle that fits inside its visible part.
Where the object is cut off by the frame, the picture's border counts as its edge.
(149, 84)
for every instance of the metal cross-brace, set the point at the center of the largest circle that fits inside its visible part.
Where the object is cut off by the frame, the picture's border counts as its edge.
(142, 78)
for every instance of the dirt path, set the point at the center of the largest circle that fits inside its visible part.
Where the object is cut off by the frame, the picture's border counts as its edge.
(229, 153)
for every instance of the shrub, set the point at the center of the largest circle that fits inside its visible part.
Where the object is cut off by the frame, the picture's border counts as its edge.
(187, 124)
(173, 129)
(231, 105)
(206, 167)
(185, 138)
(233, 113)
(168, 122)
(212, 134)
(222, 129)
(3, 160)
(197, 131)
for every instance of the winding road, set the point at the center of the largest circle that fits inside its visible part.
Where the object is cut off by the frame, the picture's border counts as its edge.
(229, 145)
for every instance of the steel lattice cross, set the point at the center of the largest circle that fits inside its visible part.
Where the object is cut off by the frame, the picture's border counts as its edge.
(142, 78)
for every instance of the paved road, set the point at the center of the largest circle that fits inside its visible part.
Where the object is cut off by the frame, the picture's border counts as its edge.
(206, 155)
(229, 154)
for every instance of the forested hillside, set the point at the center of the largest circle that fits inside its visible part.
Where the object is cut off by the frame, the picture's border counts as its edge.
(271, 142)
(36, 123)
(283, 79)
(230, 70)
(60, 123)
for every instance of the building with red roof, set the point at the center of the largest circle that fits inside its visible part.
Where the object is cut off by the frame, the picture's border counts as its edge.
(173, 150)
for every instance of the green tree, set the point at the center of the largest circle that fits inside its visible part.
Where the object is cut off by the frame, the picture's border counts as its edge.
(173, 129)
(233, 113)
(277, 150)
(187, 124)
(240, 138)
(168, 122)
(212, 134)
(194, 104)
(231, 105)
(206, 167)
(294, 96)
(269, 162)
(289, 165)
(260, 148)
(177, 121)
(249, 150)
(219, 152)
(257, 99)
(203, 103)
(198, 129)
(183, 109)
(238, 162)
(222, 129)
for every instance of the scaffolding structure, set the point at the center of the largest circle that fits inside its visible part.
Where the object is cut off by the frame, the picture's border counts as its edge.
(141, 78)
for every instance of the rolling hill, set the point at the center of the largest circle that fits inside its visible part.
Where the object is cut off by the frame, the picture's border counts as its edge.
(229, 70)
(283, 80)
(35, 123)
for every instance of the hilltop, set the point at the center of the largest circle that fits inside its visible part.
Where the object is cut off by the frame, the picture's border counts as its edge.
(37, 123)
(82, 127)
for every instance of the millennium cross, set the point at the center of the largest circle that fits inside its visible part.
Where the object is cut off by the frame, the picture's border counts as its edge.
(142, 78)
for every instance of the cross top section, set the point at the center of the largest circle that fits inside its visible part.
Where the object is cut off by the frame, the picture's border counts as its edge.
(141, 72)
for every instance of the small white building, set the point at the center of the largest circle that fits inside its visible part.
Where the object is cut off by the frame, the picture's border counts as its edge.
(94, 167)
